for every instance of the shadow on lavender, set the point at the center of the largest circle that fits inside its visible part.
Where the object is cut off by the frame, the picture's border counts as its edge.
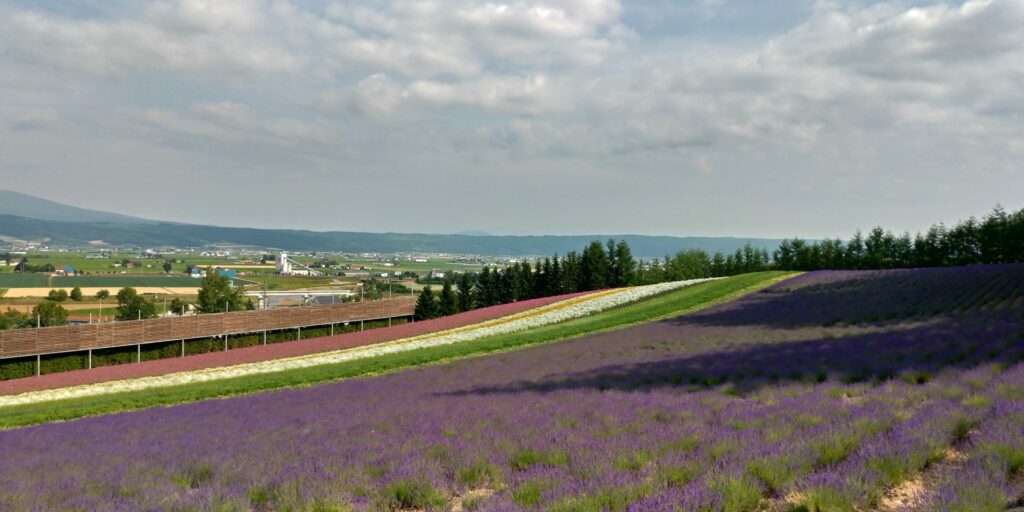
(869, 297)
(900, 324)
(914, 354)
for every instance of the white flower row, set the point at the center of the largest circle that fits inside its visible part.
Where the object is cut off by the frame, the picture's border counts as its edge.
(553, 313)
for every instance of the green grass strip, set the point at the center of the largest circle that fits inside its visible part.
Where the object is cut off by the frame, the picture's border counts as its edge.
(667, 305)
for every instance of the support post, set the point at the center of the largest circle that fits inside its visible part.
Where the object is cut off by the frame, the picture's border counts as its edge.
(389, 321)
(332, 329)
(182, 348)
(360, 325)
(300, 334)
(225, 342)
(138, 358)
(264, 337)
(39, 364)
(90, 359)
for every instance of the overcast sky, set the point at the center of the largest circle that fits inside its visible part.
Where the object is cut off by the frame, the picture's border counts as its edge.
(709, 117)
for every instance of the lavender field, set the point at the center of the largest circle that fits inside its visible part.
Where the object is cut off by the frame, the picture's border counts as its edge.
(831, 391)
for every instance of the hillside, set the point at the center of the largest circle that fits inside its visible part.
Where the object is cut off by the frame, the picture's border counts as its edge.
(24, 205)
(190, 235)
(829, 391)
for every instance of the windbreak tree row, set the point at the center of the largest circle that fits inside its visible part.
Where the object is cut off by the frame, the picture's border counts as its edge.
(998, 238)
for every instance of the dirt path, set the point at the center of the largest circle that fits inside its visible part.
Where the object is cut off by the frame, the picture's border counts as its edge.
(912, 493)
(269, 352)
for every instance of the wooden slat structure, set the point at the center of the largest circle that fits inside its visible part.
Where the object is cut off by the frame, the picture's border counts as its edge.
(72, 338)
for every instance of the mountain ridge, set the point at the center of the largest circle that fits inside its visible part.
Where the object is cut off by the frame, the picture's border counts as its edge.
(191, 235)
(33, 207)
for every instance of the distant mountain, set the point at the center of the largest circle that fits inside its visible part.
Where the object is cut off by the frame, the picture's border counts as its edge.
(24, 205)
(188, 235)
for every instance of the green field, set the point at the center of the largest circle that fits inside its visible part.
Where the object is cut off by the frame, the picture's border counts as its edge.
(122, 281)
(21, 280)
(673, 303)
(275, 282)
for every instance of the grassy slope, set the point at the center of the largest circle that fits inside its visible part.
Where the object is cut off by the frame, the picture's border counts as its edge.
(670, 304)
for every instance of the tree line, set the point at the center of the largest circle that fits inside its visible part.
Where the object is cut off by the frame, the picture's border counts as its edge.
(597, 266)
(997, 238)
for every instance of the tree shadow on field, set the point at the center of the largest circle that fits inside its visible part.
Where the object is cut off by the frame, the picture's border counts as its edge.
(878, 297)
(914, 323)
(914, 354)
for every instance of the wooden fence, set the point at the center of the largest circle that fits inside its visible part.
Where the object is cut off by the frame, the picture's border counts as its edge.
(73, 338)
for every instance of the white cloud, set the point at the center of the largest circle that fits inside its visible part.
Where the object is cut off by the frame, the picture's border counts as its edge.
(471, 84)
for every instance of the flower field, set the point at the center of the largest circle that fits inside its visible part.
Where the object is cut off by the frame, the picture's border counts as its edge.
(561, 311)
(831, 391)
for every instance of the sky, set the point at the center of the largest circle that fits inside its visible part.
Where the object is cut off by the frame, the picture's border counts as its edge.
(706, 118)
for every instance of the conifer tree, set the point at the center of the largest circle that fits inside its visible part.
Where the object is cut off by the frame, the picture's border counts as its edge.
(426, 305)
(465, 292)
(556, 282)
(625, 265)
(448, 303)
(593, 267)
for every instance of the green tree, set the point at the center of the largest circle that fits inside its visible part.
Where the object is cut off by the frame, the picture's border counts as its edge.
(625, 265)
(216, 295)
(178, 306)
(132, 306)
(557, 286)
(76, 294)
(487, 294)
(594, 272)
(12, 319)
(426, 305)
(50, 314)
(448, 301)
(58, 295)
(168, 267)
(465, 292)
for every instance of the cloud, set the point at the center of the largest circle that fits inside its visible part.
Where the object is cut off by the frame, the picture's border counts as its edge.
(35, 119)
(837, 95)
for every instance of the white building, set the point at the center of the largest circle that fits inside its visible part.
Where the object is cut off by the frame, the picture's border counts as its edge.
(284, 265)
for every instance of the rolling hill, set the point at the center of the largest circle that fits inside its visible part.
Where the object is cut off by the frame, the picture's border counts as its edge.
(24, 217)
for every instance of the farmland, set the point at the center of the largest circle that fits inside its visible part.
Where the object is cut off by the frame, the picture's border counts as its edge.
(681, 300)
(828, 391)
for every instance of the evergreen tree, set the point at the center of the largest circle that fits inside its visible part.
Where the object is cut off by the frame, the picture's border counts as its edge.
(505, 284)
(594, 273)
(855, 252)
(995, 246)
(611, 264)
(571, 273)
(449, 302)
(542, 280)
(625, 265)
(557, 285)
(426, 305)
(465, 292)
(488, 288)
